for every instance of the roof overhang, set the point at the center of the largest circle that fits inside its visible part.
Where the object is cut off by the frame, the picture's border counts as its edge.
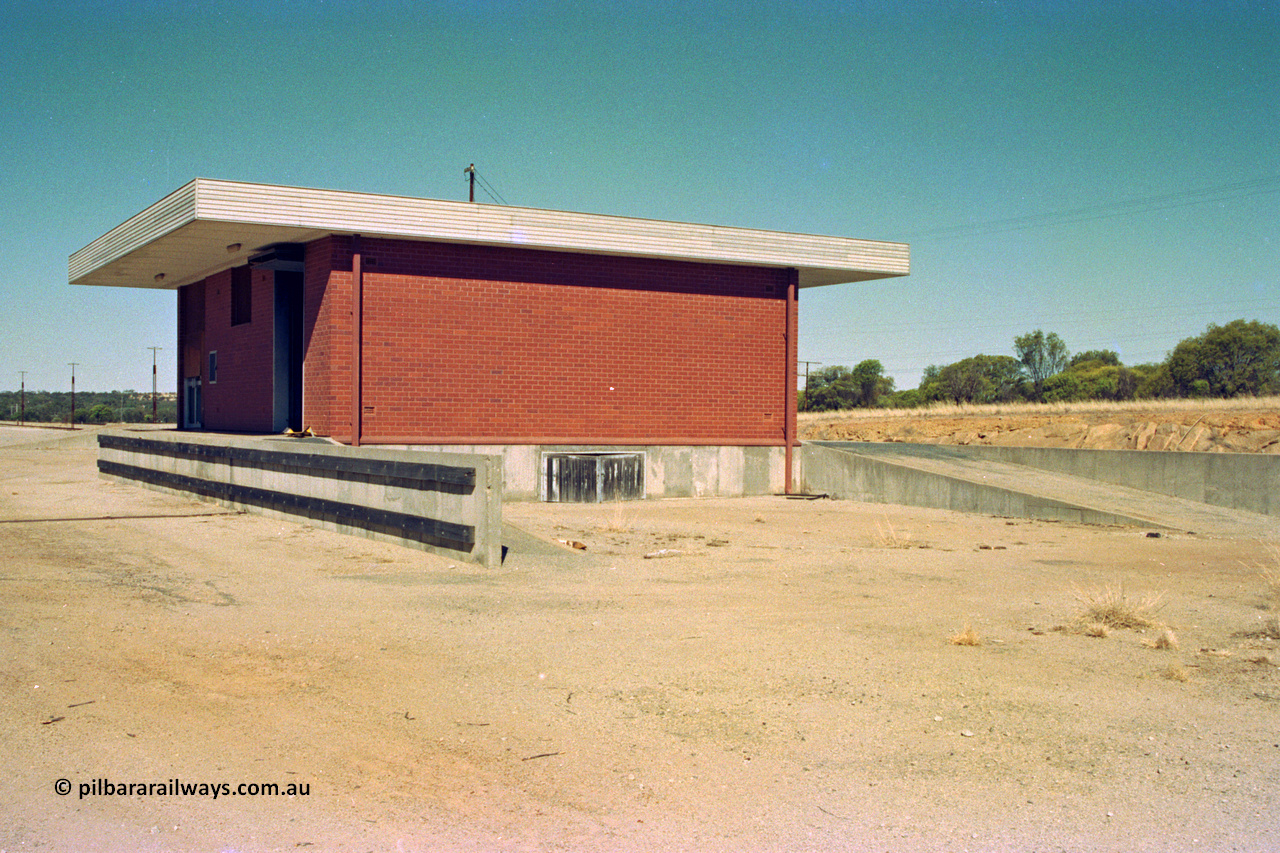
(207, 226)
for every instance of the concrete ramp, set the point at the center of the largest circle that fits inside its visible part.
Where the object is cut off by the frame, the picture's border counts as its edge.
(945, 478)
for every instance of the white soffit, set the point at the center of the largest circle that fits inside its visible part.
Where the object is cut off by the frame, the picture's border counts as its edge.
(190, 234)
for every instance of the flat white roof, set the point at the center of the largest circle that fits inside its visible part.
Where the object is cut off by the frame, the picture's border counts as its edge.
(207, 226)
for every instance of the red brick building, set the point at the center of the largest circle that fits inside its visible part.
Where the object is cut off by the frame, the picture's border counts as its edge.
(556, 339)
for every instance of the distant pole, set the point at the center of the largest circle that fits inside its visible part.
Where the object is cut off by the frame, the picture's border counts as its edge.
(470, 171)
(73, 392)
(153, 382)
(22, 416)
(806, 382)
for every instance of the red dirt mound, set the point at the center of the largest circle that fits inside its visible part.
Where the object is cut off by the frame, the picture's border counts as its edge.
(1236, 431)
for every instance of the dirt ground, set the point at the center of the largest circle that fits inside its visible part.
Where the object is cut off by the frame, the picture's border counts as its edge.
(785, 682)
(1208, 429)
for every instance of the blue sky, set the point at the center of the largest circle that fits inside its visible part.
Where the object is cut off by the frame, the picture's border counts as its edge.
(1106, 170)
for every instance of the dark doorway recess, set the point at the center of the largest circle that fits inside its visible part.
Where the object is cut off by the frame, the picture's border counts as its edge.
(287, 398)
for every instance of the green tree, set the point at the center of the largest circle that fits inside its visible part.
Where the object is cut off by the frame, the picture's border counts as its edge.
(908, 398)
(1064, 387)
(1042, 356)
(839, 387)
(872, 383)
(1097, 375)
(1242, 357)
(963, 382)
(830, 388)
(1153, 381)
(1098, 357)
(99, 414)
(91, 406)
(978, 379)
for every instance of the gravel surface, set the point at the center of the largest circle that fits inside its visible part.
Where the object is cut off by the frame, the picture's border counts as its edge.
(792, 679)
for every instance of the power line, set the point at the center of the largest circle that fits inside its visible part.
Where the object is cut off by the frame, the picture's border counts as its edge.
(1128, 207)
(1067, 320)
(492, 193)
(472, 174)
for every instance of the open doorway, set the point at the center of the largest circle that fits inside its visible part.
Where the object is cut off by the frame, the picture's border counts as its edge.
(287, 367)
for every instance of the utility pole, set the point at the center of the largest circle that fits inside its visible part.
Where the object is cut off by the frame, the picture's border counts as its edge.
(806, 382)
(22, 417)
(73, 392)
(470, 171)
(153, 382)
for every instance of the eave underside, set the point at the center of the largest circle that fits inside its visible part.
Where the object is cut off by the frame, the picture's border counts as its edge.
(208, 226)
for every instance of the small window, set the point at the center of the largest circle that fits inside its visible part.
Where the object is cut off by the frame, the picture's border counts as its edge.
(213, 367)
(241, 295)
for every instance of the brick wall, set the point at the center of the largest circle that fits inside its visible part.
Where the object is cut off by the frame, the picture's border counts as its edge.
(474, 344)
(326, 371)
(241, 399)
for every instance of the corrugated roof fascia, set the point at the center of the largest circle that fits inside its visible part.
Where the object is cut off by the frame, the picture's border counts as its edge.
(165, 216)
(434, 219)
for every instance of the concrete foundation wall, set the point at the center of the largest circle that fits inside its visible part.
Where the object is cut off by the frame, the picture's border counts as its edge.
(447, 503)
(1248, 481)
(670, 472)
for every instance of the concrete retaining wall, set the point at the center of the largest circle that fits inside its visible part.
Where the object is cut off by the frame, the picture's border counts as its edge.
(846, 475)
(447, 503)
(1248, 481)
(670, 472)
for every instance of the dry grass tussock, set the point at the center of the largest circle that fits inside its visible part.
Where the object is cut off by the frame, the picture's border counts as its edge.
(1269, 572)
(1166, 640)
(1176, 672)
(967, 637)
(1110, 607)
(951, 410)
(887, 537)
(616, 522)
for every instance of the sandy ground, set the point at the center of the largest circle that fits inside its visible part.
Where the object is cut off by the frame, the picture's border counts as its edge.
(785, 682)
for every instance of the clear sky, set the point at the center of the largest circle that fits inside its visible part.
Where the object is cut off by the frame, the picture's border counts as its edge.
(1106, 170)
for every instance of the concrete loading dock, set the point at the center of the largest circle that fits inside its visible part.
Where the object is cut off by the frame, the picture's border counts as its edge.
(446, 503)
(1146, 488)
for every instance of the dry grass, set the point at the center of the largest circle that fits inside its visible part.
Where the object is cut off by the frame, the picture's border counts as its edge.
(1270, 572)
(1087, 406)
(887, 537)
(1110, 606)
(967, 637)
(1176, 672)
(1094, 629)
(1166, 640)
(617, 521)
